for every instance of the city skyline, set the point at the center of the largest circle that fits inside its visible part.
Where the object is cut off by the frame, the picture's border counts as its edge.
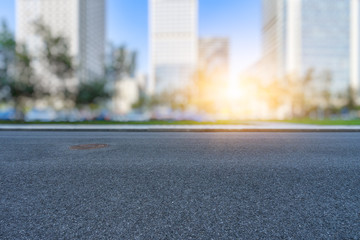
(173, 41)
(320, 36)
(82, 23)
(240, 21)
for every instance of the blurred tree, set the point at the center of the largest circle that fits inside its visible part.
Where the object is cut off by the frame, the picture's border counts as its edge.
(23, 81)
(301, 93)
(56, 57)
(350, 95)
(201, 92)
(122, 64)
(7, 57)
(276, 94)
(143, 102)
(91, 92)
(16, 72)
(291, 90)
(326, 92)
(56, 52)
(304, 93)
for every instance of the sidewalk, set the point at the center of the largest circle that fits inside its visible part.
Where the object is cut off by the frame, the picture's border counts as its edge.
(258, 127)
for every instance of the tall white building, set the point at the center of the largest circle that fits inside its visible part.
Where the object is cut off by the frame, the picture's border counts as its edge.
(173, 44)
(81, 22)
(322, 35)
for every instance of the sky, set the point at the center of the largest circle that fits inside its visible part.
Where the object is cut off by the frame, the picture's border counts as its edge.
(127, 23)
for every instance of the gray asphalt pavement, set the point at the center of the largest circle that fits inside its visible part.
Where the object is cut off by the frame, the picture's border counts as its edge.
(180, 186)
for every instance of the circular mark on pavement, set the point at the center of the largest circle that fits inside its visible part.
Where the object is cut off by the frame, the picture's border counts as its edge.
(88, 146)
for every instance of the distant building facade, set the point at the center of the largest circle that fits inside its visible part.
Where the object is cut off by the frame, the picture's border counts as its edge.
(214, 58)
(173, 40)
(81, 22)
(322, 35)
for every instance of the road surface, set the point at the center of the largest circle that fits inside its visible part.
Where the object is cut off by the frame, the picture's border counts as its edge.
(179, 185)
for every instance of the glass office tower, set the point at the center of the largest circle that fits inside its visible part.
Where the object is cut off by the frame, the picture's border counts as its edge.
(322, 35)
(173, 43)
(81, 22)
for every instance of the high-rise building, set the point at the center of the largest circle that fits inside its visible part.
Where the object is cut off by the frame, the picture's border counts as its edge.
(321, 35)
(173, 43)
(214, 58)
(81, 22)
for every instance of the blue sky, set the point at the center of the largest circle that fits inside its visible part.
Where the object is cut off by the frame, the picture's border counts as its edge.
(240, 20)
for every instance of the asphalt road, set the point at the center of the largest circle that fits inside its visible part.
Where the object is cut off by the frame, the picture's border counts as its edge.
(180, 186)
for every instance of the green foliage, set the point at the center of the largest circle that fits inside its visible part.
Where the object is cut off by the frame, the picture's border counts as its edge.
(91, 92)
(7, 40)
(56, 52)
(303, 94)
(24, 71)
(142, 102)
(351, 98)
(123, 63)
(23, 82)
(21, 79)
(21, 89)
(7, 54)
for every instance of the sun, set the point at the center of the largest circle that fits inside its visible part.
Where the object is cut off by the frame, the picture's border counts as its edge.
(233, 92)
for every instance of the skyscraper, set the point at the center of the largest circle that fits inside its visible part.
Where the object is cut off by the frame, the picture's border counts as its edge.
(322, 35)
(173, 43)
(81, 22)
(214, 58)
